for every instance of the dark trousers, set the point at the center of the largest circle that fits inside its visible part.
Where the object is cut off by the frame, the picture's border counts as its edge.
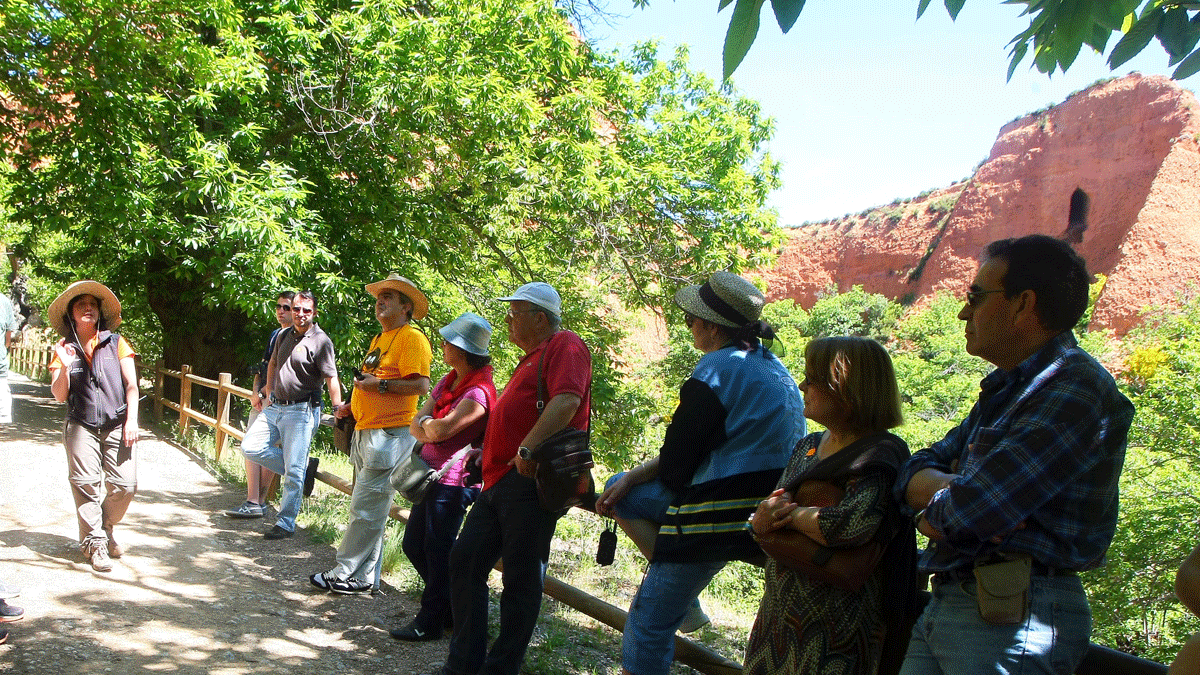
(428, 538)
(506, 522)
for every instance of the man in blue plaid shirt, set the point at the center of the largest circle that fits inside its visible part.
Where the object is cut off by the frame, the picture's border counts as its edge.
(1026, 487)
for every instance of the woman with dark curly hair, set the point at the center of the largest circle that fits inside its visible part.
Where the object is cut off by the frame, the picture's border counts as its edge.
(93, 371)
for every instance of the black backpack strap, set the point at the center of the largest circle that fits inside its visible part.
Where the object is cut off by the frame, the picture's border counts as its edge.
(541, 402)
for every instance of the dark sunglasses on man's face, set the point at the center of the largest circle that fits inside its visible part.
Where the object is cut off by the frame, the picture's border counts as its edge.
(303, 310)
(974, 298)
(286, 308)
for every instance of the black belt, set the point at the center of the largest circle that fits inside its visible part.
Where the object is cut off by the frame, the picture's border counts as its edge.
(306, 399)
(968, 573)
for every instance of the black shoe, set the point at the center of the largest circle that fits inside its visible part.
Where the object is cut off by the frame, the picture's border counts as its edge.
(277, 532)
(310, 475)
(411, 633)
(349, 586)
(9, 613)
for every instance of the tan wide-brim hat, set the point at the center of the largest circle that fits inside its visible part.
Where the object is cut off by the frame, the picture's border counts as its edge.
(110, 307)
(725, 299)
(409, 289)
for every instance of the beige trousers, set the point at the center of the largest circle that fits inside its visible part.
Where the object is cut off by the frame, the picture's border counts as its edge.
(98, 462)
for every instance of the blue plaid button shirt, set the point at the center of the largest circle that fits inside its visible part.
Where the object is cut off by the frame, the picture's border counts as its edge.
(1043, 446)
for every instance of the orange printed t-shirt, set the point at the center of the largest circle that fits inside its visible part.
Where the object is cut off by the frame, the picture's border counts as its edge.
(123, 350)
(404, 352)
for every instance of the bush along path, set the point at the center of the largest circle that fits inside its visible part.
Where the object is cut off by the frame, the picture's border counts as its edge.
(196, 592)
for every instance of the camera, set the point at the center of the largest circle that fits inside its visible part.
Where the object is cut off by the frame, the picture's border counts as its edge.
(608, 545)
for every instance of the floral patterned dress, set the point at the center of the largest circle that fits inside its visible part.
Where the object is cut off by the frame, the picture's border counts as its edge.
(807, 627)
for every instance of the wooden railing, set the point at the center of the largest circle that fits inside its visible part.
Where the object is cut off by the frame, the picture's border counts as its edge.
(33, 362)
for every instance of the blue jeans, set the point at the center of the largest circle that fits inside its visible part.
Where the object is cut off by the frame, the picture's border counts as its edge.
(291, 426)
(644, 501)
(506, 522)
(428, 539)
(666, 593)
(950, 638)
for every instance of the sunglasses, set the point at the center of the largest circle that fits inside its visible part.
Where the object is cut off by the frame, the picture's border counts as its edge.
(303, 310)
(286, 308)
(976, 297)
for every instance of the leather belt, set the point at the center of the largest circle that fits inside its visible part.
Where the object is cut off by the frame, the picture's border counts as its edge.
(279, 401)
(968, 573)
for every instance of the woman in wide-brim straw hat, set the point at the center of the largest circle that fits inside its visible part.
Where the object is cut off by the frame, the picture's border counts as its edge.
(739, 416)
(93, 371)
(450, 426)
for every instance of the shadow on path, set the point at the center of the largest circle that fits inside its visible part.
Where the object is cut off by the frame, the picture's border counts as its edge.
(195, 593)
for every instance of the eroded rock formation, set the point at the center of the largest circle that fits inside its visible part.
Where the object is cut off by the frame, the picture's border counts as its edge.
(1115, 169)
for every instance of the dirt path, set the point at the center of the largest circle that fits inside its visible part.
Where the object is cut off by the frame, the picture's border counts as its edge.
(195, 593)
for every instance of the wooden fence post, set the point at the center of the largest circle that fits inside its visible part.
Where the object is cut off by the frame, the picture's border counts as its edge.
(223, 395)
(185, 399)
(159, 378)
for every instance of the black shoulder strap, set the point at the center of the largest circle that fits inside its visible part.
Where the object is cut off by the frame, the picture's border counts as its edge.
(541, 384)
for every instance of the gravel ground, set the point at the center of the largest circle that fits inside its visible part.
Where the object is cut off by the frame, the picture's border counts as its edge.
(196, 592)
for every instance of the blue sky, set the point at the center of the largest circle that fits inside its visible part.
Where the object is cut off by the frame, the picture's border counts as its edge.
(869, 103)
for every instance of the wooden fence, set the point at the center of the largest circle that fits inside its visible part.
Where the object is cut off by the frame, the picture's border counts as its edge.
(34, 362)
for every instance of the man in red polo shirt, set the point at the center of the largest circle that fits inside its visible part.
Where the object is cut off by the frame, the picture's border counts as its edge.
(507, 521)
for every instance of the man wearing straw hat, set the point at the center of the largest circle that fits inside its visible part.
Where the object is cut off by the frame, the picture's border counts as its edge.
(279, 438)
(394, 374)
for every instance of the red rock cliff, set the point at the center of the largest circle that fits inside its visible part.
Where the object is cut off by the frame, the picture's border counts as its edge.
(1121, 159)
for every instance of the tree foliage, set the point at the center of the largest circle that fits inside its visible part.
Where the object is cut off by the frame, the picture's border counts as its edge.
(1058, 29)
(197, 156)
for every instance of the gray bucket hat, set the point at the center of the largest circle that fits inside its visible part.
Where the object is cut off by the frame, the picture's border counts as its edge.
(725, 299)
(469, 332)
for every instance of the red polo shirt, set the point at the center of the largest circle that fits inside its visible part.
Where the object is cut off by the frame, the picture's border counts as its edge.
(567, 370)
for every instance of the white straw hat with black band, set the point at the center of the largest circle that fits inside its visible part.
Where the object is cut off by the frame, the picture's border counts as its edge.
(725, 299)
(110, 307)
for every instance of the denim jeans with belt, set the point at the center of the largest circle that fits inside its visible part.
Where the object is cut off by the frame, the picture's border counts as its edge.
(506, 522)
(950, 639)
(292, 427)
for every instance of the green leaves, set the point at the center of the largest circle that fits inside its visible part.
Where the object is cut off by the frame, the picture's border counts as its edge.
(1058, 29)
(743, 28)
(1137, 37)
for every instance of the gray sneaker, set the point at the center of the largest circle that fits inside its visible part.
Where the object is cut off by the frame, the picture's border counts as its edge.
(248, 509)
(8, 592)
(97, 553)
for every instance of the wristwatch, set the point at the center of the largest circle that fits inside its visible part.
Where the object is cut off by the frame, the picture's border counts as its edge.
(383, 386)
(525, 453)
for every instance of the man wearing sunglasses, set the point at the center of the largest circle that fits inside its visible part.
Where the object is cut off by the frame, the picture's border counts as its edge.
(301, 362)
(1022, 495)
(394, 374)
(259, 477)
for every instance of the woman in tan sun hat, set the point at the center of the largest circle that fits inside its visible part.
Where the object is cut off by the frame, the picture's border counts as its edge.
(739, 416)
(93, 371)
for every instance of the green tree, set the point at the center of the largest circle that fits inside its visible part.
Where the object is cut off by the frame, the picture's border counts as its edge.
(1057, 30)
(1132, 596)
(198, 156)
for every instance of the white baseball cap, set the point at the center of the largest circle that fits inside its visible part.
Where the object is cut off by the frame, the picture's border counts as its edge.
(541, 294)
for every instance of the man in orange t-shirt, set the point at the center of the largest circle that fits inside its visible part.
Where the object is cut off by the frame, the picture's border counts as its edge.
(395, 373)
